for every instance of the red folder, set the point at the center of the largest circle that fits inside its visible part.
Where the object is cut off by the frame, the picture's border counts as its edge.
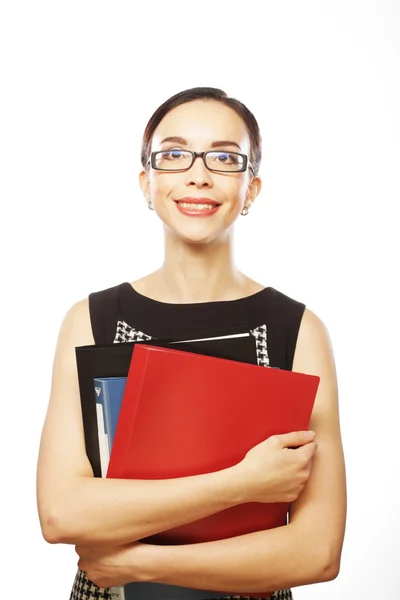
(186, 414)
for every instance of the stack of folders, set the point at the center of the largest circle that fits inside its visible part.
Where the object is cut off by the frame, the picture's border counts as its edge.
(156, 410)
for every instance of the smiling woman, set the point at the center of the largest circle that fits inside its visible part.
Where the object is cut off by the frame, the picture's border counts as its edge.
(208, 141)
(201, 154)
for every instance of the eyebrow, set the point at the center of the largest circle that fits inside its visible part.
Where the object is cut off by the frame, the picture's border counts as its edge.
(180, 140)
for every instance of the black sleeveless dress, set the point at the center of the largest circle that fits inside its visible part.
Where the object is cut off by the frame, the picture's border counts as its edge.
(121, 314)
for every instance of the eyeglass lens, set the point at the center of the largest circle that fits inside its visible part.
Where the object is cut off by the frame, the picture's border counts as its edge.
(175, 160)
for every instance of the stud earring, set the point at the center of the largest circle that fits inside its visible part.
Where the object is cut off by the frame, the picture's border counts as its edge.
(150, 205)
(245, 211)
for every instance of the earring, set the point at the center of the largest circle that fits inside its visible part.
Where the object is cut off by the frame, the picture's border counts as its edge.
(150, 205)
(245, 211)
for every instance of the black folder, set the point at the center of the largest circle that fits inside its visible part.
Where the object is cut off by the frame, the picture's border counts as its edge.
(113, 360)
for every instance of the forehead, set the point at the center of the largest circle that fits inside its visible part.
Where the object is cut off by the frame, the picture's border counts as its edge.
(202, 122)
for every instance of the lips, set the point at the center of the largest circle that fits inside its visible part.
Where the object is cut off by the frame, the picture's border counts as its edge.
(197, 207)
(194, 200)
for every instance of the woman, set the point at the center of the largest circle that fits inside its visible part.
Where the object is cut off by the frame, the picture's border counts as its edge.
(197, 290)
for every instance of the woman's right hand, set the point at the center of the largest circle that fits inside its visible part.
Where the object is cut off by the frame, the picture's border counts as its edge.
(277, 469)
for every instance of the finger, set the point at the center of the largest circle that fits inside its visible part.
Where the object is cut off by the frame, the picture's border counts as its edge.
(296, 438)
(307, 451)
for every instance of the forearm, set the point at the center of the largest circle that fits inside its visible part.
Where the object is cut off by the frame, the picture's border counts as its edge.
(116, 511)
(258, 562)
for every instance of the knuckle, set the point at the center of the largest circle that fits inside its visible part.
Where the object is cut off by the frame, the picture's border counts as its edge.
(307, 455)
(302, 460)
(273, 441)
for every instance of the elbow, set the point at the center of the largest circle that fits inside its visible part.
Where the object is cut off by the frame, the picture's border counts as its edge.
(61, 516)
(329, 572)
(321, 563)
(329, 569)
(57, 528)
(52, 529)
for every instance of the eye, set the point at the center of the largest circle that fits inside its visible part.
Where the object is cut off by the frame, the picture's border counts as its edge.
(225, 158)
(173, 154)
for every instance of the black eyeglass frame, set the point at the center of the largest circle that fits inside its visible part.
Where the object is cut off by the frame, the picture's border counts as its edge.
(246, 163)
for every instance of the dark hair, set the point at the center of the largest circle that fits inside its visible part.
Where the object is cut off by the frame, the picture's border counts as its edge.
(205, 93)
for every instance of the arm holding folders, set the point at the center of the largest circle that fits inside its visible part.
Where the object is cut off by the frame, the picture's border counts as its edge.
(185, 414)
(77, 508)
(85, 507)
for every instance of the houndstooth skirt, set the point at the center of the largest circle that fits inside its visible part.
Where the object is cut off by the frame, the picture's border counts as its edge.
(83, 589)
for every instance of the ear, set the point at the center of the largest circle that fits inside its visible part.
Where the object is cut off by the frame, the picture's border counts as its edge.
(253, 190)
(144, 183)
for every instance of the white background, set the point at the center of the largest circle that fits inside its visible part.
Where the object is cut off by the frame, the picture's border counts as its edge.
(79, 82)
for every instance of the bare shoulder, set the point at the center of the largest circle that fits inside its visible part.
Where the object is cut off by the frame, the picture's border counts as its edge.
(314, 352)
(77, 324)
(75, 330)
(314, 356)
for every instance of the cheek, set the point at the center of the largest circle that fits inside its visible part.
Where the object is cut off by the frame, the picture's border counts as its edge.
(158, 186)
(236, 189)
(162, 187)
(244, 187)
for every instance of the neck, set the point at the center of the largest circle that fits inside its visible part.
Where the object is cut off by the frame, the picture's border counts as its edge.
(199, 272)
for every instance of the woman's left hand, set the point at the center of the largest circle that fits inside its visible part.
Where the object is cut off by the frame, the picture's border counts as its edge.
(108, 566)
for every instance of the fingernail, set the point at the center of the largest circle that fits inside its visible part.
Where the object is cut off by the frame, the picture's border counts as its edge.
(310, 434)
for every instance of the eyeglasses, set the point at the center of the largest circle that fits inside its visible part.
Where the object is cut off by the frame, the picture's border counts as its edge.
(182, 160)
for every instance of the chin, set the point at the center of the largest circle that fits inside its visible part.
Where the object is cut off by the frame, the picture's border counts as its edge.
(198, 238)
(199, 242)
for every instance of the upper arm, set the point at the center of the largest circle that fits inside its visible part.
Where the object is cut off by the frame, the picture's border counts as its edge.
(62, 454)
(320, 511)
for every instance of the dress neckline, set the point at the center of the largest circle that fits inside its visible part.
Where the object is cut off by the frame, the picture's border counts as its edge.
(186, 305)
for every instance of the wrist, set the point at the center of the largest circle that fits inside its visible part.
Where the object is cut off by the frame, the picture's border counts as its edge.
(150, 563)
(234, 485)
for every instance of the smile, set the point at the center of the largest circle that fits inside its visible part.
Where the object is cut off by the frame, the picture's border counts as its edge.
(197, 209)
(196, 206)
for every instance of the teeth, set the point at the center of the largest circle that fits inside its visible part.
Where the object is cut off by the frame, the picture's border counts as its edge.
(196, 206)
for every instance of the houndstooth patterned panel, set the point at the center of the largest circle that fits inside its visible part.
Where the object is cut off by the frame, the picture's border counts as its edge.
(83, 589)
(126, 333)
(260, 334)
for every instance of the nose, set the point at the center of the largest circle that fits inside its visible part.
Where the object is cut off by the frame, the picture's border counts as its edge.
(198, 174)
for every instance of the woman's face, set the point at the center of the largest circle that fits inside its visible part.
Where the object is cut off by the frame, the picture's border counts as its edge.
(200, 124)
